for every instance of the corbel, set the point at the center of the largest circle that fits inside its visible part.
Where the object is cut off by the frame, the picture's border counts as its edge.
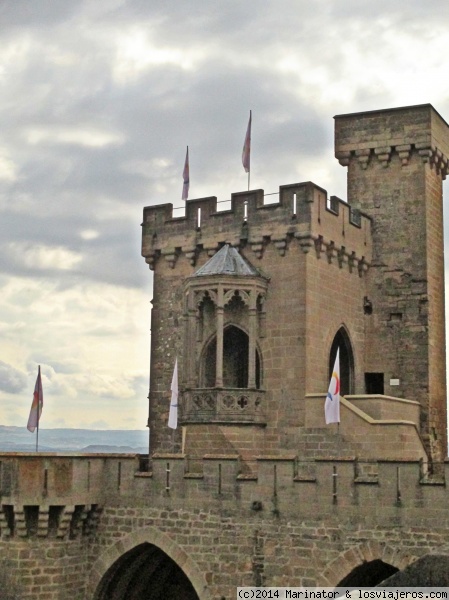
(425, 151)
(343, 157)
(170, 256)
(318, 245)
(362, 266)
(280, 245)
(383, 154)
(149, 259)
(191, 254)
(351, 261)
(305, 241)
(363, 156)
(257, 246)
(330, 252)
(341, 256)
(404, 153)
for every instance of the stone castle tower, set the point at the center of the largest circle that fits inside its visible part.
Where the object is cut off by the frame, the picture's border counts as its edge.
(254, 489)
(254, 302)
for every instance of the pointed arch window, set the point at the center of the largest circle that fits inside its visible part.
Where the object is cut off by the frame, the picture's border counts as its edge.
(342, 341)
(235, 360)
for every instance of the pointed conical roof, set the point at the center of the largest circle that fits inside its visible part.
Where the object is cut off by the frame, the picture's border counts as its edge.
(227, 261)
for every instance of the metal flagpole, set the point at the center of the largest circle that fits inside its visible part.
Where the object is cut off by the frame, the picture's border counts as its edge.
(249, 156)
(246, 154)
(38, 407)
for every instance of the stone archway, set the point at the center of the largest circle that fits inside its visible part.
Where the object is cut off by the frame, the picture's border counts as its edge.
(142, 563)
(368, 574)
(372, 560)
(145, 573)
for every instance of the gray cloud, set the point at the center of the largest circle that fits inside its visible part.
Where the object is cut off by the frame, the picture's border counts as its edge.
(98, 102)
(12, 380)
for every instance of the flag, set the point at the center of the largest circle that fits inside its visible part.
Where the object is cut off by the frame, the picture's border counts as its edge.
(246, 154)
(332, 404)
(36, 406)
(173, 414)
(186, 177)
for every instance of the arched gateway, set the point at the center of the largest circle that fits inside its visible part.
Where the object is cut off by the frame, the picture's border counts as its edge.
(146, 565)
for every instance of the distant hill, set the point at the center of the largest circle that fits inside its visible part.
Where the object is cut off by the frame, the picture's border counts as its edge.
(114, 449)
(19, 439)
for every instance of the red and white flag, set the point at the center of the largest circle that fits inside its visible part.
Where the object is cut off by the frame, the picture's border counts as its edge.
(332, 404)
(173, 414)
(186, 177)
(36, 406)
(246, 154)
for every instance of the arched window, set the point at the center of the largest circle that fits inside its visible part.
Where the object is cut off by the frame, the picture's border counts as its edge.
(341, 340)
(235, 360)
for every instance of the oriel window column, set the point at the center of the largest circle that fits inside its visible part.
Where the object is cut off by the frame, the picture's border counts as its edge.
(190, 340)
(219, 353)
(252, 326)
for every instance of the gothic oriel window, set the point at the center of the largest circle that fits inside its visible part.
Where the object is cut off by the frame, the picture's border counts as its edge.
(224, 324)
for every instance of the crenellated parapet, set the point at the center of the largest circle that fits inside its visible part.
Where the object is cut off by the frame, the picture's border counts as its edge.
(286, 485)
(46, 520)
(379, 136)
(304, 215)
(57, 496)
(282, 482)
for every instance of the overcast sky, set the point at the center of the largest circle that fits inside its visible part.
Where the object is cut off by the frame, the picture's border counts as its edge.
(98, 101)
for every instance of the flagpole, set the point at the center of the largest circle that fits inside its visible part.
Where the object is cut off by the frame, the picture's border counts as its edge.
(246, 154)
(186, 177)
(36, 408)
(38, 418)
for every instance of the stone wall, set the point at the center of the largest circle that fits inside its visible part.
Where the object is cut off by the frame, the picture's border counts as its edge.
(46, 569)
(230, 549)
(288, 523)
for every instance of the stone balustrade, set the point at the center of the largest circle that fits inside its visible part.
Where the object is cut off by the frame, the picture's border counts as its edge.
(227, 405)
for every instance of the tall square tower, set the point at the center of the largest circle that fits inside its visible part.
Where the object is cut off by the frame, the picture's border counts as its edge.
(396, 162)
(254, 302)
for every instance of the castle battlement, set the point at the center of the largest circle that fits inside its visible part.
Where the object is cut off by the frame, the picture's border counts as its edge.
(303, 214)
(62, 496)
